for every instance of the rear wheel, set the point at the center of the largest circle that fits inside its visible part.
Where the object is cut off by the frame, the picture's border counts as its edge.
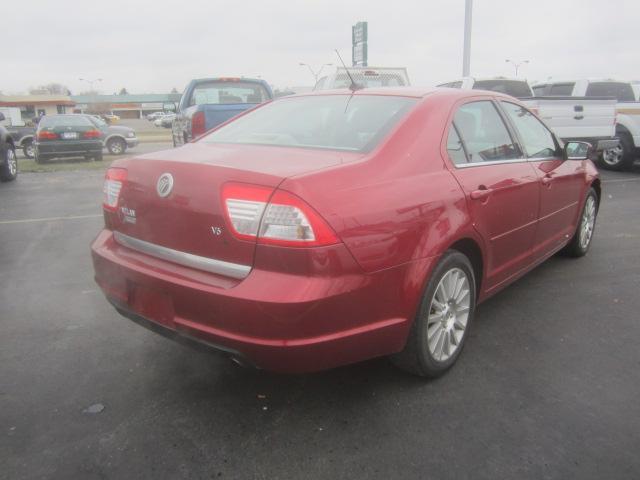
(439, 331)
(28, 148)
(9, 168)
(116, 146)
(621, 157)
(581, 241)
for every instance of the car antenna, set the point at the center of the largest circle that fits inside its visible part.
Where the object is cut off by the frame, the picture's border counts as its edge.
(354, 86)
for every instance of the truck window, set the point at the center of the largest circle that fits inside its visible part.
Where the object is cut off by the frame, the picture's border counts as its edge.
(515, 88)
(539, 90)
(561, 89)
(622, 91)
(225, 92)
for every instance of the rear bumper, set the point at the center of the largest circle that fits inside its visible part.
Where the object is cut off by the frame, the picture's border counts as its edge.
(69, 147)
(282, 322)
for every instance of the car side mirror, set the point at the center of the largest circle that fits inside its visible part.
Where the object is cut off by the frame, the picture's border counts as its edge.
(577, 150)
(2, 117)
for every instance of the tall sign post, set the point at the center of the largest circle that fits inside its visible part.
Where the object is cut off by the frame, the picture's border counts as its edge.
(466, 54)
(359, 52)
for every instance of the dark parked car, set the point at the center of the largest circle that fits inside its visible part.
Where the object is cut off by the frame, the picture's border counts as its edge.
(8, 162)
(67, 136)
(324, 229)
(116, 138)
(208, 102)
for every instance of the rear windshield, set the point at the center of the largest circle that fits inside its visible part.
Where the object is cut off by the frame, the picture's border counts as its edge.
(218, 92)
(335, 122)
(515, 88)
(64, 121)
(621, 91)
(369, 79)
(561, 89)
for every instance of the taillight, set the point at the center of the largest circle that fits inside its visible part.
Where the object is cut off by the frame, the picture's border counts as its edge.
(91, 134)
(46, 135)
(197, 124)
(280, 218)
(113, 181)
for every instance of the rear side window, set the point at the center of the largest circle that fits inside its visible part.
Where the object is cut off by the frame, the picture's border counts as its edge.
(484, 133)
(536, 138)
(622, 91)
(64, 121)
(337, 122)
(452, 85)
(515, 88)
(455, 147)
(225, 92)
(561, 89)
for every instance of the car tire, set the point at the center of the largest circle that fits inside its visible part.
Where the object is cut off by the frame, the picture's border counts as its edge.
(116, 146)
(621, 157)
(579, 244)
(9, 167)
(28, 148)
(441, 326)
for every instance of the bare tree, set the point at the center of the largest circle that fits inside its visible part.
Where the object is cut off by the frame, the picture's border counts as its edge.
(123, 91)
(174, 90)
(50, 89)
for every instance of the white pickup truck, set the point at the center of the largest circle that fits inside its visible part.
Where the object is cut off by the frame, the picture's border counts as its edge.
(627, 126)
(366, 77)
(589, 119)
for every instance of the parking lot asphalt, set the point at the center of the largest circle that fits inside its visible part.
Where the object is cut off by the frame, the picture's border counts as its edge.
(547, 387)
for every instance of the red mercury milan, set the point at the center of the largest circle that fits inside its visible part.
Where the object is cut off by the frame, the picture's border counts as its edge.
(324, 229)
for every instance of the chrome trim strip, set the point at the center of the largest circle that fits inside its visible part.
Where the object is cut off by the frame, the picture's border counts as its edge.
(493, 162)
(220, 267)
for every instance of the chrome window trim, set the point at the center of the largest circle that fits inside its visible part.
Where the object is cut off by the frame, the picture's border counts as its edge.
(492, 162)
(212, 265)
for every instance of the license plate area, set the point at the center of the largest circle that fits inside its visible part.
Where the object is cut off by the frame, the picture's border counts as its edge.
(152, 305)
(70, 135)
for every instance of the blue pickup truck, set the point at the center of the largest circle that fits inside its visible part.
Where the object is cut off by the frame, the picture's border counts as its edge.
(208, 102)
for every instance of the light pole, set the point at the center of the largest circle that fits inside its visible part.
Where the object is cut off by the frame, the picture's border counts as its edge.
(90, 82)
(314, 73)
(516, 65)
(466, 52)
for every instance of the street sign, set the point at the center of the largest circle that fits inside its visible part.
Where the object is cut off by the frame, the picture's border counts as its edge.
(359, 50)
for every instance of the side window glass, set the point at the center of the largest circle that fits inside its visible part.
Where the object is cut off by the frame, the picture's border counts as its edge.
(455, 148)
(537, 140)
(484, 133)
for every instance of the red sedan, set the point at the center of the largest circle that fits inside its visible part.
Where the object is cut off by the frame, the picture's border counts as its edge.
(324, 229)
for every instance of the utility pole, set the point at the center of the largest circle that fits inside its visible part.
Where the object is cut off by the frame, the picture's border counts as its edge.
(466, 54)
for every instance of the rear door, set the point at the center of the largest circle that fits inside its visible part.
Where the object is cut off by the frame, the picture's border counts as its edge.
(561, 182)
(501, 187)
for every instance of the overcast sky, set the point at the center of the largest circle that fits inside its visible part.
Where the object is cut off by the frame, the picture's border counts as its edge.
(153, 46)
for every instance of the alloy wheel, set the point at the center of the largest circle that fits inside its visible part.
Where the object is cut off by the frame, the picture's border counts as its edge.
(448, 314)
(613, 156)
(588, 222)
(12, 163)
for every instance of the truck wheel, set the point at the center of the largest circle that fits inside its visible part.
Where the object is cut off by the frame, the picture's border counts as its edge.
(116, 146)
(621, 157)
(9, 168)
(29, 149)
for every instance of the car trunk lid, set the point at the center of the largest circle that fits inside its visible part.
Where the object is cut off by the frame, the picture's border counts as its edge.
(191, 218)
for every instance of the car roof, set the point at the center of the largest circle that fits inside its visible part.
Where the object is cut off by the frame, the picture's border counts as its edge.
(415, 92)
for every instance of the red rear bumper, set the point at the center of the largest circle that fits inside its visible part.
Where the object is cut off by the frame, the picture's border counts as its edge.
(284, 322)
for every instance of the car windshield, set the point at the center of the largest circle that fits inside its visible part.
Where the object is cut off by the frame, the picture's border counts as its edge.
(217, 92)
(336, 122)
(65, 121)
(515, 88)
